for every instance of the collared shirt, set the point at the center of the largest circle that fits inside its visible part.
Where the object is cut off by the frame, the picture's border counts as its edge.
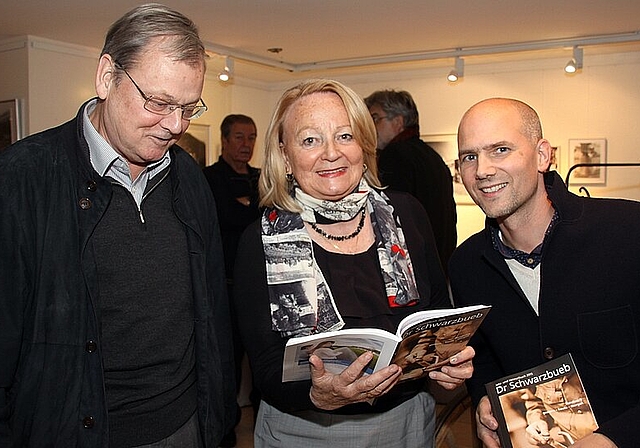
(530, 260)
(524, 266)
(108, 162)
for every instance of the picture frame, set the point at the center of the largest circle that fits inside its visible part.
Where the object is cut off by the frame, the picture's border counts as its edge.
(196, 142)
(554, 163)
(10, 123)
(446, 145)
(588, 151)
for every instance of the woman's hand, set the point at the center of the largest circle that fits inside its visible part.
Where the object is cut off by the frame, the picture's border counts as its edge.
(330, 391)
(459, 369)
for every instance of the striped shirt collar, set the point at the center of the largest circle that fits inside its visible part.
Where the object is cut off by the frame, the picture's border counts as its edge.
(107, 161)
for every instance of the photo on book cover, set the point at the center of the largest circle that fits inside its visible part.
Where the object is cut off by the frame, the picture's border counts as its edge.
(545, 406)
(430, 349)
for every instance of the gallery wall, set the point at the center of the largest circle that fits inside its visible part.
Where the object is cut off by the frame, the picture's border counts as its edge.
(52, 79)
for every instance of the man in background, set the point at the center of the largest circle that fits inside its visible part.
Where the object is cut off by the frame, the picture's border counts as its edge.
(534, 263)
(114, 316)
(235, 187)
(406, 163)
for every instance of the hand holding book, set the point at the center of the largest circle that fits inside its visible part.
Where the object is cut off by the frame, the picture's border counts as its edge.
(545, 405)
(424, 342)
(331, 391)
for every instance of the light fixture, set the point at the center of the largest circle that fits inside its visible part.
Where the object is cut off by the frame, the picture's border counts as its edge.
(458, 70)
(575, 63)
(441, 54)
(226, 73)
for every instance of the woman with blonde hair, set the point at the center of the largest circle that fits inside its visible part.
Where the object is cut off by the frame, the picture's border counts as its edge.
(333, 250)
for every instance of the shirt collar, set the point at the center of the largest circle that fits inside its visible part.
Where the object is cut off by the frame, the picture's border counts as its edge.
(530, 260)
(102, 155)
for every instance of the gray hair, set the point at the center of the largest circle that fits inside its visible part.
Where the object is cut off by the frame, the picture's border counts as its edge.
(395, 103)
(130, 35)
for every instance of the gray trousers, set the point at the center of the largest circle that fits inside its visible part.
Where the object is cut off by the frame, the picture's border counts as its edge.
(409, 425)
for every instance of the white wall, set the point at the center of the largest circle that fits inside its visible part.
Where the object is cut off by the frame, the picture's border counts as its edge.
(14, 65)
(602, 101)
(61, 78)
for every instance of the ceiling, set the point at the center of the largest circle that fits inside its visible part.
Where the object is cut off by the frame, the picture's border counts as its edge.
(317, 34)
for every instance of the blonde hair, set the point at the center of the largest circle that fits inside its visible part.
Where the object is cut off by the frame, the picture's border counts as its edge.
(275, 189)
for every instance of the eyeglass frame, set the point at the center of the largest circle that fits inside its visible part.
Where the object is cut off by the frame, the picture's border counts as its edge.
(378, 118)
(198, 109)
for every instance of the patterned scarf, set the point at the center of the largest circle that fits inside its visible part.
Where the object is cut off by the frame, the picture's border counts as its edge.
(300, 299)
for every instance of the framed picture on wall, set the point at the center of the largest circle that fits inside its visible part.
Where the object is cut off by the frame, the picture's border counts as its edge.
(554, 164)
(10, 126)
(588, 154)
(447, 146)
(196, 142)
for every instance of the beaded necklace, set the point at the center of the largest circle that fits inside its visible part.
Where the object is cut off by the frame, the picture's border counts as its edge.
(341, 237)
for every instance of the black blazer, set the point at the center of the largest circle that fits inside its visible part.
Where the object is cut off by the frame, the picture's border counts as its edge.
(589, 305)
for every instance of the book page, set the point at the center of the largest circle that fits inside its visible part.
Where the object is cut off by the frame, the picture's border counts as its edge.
(337, 350)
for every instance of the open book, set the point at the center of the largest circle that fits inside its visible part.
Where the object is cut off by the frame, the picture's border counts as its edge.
(424, 341)
(547, 402)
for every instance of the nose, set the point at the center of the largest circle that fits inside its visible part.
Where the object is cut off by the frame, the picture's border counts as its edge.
(173, 121)
(331, 151)
(485, 167)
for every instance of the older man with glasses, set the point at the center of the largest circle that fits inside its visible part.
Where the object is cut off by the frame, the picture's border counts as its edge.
(114, 317)
(406, 163)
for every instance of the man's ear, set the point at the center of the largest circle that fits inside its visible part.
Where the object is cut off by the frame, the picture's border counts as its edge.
(104, 76)
(398, 124)
(544, 151)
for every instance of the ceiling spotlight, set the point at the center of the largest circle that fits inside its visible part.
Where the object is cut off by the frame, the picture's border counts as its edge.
(458, 70)
(575, 63)
(227, 72)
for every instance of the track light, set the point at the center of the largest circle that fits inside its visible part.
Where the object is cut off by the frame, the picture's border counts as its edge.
(458, 70)
(575, 63)
(227, 73)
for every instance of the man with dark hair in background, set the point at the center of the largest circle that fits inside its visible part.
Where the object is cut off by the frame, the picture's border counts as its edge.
(235, 187)
(114, 316)
(406, 163)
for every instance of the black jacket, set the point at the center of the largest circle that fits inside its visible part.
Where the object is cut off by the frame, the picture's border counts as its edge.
(409, 164)
(51, 378)
(589, 305)
(265, 347)
(234, 217)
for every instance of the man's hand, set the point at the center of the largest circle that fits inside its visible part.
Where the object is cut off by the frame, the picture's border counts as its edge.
(487, 424)
(459, 369)
(330, 391)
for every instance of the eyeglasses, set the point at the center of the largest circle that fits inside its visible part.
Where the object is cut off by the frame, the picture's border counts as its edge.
(160, 107)
(378, 118)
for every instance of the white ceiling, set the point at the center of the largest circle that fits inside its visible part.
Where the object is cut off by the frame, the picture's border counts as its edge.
(318, 31)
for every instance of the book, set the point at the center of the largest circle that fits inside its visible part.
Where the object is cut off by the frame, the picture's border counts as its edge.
(424, 341)
(547, 402)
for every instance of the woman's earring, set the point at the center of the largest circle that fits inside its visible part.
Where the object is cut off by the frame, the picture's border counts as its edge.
(290, 177)
(364, 168)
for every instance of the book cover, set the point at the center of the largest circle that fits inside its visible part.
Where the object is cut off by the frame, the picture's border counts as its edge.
(424, 341)
(542, 406)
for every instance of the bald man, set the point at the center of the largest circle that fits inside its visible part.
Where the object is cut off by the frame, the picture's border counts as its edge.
(560, 271)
